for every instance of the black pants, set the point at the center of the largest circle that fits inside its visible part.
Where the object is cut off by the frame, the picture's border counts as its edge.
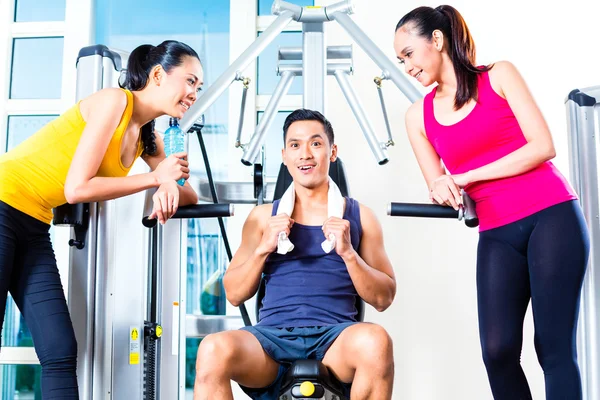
(28, 271)
(543, 258)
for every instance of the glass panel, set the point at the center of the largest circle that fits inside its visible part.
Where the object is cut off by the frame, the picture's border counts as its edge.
(36, 10)
(207, 261)
(264, 6)
(20, 127)
(19, 382)
(31, 78)
(267, 64)
(203, 25)
(14, 333)
(274, 143)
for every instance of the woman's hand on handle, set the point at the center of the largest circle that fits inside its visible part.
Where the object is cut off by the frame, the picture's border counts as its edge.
(166, 201)
(445, 191)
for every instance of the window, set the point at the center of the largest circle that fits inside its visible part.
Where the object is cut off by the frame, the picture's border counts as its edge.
(37, 11)
(20, 382)
(31, 79)
(20, 127)
(31, 43)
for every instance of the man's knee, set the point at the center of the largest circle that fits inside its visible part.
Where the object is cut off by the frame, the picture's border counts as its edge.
(373, 345)
(216, 352)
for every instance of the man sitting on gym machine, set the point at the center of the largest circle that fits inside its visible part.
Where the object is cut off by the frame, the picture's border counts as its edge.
(314, 263)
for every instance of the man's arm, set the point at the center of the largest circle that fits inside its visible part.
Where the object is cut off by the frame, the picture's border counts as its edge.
(370, 268)
(259, 239)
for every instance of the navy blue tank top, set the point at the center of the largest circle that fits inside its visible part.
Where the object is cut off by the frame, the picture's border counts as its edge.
(308, 287)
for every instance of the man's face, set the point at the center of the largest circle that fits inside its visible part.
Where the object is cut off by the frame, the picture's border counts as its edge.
(307, 153)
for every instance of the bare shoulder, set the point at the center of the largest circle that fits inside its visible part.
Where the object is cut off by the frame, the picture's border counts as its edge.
(505, 77)
(414, 113)
(503, 71)
(110, 95)
(368, 219)
(107, 101)
(414, 120)
(503, 67)
(260, 214)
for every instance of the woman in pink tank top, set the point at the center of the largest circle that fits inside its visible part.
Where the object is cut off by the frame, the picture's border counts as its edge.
(483, 124)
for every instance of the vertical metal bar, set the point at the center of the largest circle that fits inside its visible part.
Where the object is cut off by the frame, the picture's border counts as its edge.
(252, 151)
(82, 263)
(361, 117)
(377, 56)
(82, 305)
(385, 115)
(223, 82)
(583, 145)
(241, 120)
(314, 65)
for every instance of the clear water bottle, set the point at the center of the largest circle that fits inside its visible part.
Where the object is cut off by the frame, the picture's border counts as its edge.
(175, 141)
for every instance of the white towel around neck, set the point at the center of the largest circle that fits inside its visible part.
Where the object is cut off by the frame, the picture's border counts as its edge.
(335, 208)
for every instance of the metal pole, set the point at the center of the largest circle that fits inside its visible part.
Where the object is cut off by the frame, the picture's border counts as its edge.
(332, 68)
(252, 151)
(377, 56)
(223, 82)
(314, 65)
(279, 7)
(361, 117)
(584, 172)
(333, 52)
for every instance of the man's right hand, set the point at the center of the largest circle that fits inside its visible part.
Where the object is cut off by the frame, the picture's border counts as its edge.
(274, 226)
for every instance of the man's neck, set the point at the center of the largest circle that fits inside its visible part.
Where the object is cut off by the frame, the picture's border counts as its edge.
(312, 197)
(310, 205)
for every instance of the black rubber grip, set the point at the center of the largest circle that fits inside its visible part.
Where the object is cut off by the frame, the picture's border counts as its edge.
(196, 211)
(421, 210)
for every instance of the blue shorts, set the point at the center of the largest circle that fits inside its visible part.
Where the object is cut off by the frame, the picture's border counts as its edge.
(286, 345)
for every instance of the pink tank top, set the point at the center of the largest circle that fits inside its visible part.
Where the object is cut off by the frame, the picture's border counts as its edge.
(487, 134)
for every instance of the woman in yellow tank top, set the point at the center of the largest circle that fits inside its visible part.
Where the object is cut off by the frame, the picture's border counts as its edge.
(84, 156)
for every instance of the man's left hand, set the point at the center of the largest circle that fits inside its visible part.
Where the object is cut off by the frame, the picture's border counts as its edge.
(340, 228)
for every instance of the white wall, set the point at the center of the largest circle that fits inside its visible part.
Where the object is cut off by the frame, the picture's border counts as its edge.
(433, 320)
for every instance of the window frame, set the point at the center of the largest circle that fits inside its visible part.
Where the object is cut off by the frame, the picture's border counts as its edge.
(76, 30)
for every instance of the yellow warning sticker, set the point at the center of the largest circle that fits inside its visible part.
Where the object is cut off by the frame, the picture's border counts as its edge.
(134, 359)
(134, 345)
(313, 6)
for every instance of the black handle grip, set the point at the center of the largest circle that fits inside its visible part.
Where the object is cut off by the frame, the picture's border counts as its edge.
(196, 211)
(436, 211)
(421, 210)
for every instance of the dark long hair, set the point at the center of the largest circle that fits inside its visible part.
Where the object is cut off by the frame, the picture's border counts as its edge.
(168, 54)
(461, 47)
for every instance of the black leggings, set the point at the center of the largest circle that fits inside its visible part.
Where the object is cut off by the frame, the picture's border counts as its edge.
(28, 271)
(543, 258)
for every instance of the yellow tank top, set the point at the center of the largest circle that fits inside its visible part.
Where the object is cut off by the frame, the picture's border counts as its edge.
(33, 174)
